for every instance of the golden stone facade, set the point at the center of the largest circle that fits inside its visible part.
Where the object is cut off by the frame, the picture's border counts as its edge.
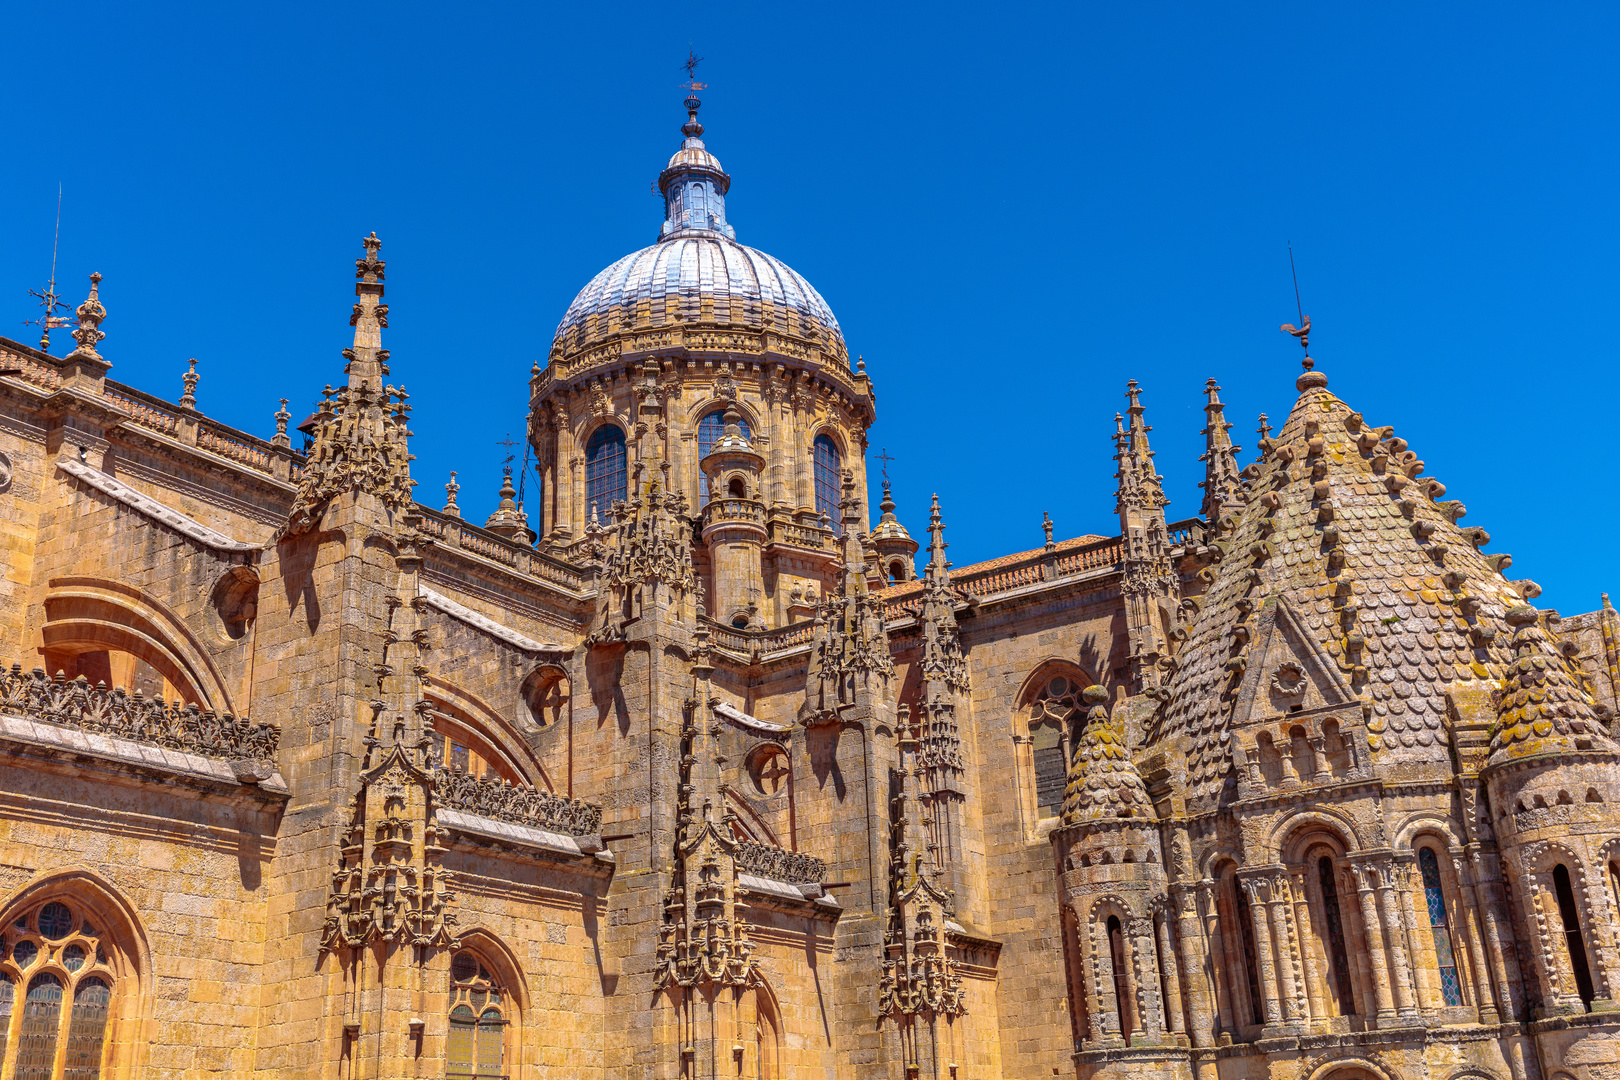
(701, 772)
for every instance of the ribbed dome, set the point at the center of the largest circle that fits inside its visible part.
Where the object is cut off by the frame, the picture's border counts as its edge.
(697, 274)
(697, 279)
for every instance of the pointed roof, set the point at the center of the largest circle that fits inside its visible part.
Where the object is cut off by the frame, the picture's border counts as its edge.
(1103, 783)
(1543, 709)
(1139, 485)
(1340, 522)
(889, 534)
(508, 520)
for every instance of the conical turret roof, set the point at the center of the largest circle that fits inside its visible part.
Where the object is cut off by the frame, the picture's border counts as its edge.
(1103, 783)
(1340, 527)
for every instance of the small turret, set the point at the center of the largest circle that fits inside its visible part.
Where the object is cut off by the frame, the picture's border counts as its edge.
(508, 520)
(895, 547)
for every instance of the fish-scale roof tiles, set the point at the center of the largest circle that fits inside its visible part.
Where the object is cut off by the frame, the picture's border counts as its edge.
(1340, 520)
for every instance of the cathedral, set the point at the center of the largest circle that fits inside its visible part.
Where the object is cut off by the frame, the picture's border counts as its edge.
(697, 767)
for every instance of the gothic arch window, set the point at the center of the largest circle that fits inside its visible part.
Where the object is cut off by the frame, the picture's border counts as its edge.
(1445, 956)
(1570, 916)
(604, 470)
(1614, 884)
(56, 991)
(1338, 953)
(477, 1044)
(829, 478)
(1054, 707)
(709, 430)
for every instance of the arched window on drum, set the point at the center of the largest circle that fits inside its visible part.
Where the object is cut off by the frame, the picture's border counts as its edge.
(56, 971)
(829, 479)
(1445, 957)
(476, 1049)
(710, 428)
(604, 471)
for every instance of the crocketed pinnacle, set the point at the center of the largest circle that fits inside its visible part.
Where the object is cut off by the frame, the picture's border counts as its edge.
(941, 641)
(1139, 485)
(1223, 487)
(1544, 709)
(1103, 783)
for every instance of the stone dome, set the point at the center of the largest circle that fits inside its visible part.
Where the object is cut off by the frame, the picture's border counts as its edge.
(697, 275)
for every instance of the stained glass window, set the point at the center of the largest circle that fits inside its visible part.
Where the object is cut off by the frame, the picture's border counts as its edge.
(1444, 956)
(55, 920)
(86, 1029)
(477, 1027)
(1335, 931)
(1572, 933)
(829, 479)
(8, 993)
(604, 470)
(36, 1048)
(1049, 718)
(710, 428)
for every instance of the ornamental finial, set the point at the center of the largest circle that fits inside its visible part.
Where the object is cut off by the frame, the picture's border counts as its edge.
(90, 313)
(188, 400)
(692, 129)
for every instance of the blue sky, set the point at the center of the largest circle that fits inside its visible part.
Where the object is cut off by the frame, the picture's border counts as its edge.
(1012, 209)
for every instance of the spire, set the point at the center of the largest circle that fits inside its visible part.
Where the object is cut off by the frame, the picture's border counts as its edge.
(1543, 709)
(90, 314)
(361, 436)
(941, 645)
(1223, 488)
(895, 547)
(1148, 581)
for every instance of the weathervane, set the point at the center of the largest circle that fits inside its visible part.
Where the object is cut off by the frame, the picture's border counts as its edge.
(48, 297)
(692, 61)
(1303, 331)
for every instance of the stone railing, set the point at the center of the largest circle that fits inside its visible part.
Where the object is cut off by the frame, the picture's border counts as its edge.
(213, 438)
(729, 509)
(455, 533)
(779, 864)
(489, 797)
(786, 532)
(144, 414)
(746, 642)
(1188, 531)
(96, 709)
(1093, 557)
(1032, 569)
(34, 371)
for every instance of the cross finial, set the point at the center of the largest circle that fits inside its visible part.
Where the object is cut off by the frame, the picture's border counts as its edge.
(1264, 430)
(691, 64)
(885, 458)
(507, 442)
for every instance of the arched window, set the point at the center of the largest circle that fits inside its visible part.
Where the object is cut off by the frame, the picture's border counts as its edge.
(710, 428)
(1056, 705)
(1122, 987)
(59, 957)
(1439, 927)
(1572, 933)
(604, 470)
(477, 1025)
(1338, 955)
(829, 479)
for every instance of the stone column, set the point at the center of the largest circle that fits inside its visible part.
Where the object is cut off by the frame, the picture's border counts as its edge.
(1395, 938)
(1214, 959)
(562, 467)
(1471, 916)
(1173, 1021)
(1548, 950)
(1279, 902)
(1255, 891)
(1105, 1019)
(1497, 934)
(1315, 1008)
(1144, 977)
(1366, 884)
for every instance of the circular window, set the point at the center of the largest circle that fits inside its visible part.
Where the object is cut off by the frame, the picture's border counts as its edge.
(740, 622)
(768, 769)
(24, 953)
(464, 968)
(55, 921)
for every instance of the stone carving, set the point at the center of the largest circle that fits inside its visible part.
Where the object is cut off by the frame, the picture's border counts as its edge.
(779, 864)
(125, 715)
(850, 657)
(496, 798)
